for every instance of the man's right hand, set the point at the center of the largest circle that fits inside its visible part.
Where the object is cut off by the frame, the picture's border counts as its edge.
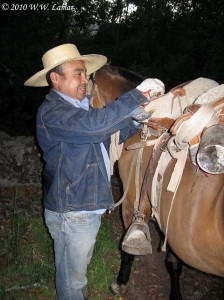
(151, 88)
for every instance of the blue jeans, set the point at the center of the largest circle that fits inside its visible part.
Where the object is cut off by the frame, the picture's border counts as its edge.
(74, 236)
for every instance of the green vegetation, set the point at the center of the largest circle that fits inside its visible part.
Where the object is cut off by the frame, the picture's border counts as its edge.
(100, 270)
(26, 256)
(26, 252)
(174, 40)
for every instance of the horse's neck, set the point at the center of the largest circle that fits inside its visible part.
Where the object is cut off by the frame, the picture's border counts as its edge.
(107, 88)
(101, 96)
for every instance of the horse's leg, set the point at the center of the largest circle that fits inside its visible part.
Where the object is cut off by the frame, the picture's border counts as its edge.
(174, 267)
(123, 277)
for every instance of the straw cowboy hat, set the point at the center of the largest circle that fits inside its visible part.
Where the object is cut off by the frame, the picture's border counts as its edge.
(61, 54)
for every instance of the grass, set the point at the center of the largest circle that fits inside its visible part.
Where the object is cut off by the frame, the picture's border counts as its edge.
(26, 253)
(99, 273)
(27, 266)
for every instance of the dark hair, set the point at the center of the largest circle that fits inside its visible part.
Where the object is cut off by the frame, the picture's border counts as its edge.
(57, 69)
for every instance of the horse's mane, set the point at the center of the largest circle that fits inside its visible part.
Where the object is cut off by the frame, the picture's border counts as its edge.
(133, 78)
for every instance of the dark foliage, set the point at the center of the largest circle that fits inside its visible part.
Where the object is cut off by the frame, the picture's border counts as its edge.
(175, 41)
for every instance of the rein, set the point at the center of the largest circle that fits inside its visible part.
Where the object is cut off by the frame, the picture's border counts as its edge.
(92, 88)
(99, 93)
(139, 148)
(136, 160)
(115, 148)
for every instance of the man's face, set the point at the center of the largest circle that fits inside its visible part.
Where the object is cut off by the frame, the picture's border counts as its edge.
(73, 80)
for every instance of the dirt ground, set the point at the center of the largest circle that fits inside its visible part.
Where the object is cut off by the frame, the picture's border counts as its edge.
(150, 280)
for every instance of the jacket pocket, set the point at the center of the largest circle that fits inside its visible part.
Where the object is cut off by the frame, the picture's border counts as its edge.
(82, 193)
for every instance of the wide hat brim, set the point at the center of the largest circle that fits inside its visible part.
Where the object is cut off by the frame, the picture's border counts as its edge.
(68, 52)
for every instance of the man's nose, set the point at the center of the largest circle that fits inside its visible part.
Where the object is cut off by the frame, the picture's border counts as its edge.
(85, 78)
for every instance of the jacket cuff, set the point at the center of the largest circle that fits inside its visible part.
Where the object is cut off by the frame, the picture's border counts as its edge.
(139, 114)
(138, 96)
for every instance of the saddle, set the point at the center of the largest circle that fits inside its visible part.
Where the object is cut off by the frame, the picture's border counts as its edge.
(206, 120)
(186, 134)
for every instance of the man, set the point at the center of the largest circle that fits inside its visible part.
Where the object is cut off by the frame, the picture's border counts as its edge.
(77, 189)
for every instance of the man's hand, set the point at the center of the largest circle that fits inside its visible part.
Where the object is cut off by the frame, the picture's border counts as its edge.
(151, 88)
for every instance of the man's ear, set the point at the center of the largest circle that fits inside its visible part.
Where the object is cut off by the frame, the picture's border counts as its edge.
(54, 77)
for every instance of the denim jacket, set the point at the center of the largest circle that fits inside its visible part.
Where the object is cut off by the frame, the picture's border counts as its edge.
(75, 176)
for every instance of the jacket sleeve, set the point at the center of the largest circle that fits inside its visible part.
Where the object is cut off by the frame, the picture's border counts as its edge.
(58, 121)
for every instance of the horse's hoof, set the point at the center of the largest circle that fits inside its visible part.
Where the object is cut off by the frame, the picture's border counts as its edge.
(116, 289)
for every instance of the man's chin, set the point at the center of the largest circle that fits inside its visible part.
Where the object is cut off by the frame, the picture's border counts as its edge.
(80, 96)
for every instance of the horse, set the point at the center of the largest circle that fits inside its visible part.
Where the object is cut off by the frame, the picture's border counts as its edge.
(194, 227)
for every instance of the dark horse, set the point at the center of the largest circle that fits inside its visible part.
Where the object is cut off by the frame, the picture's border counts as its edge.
(193, 219)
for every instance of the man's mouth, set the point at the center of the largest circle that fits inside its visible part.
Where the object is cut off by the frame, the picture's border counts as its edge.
(82, 88)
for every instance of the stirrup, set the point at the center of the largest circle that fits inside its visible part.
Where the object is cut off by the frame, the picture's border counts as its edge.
(137, 240)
